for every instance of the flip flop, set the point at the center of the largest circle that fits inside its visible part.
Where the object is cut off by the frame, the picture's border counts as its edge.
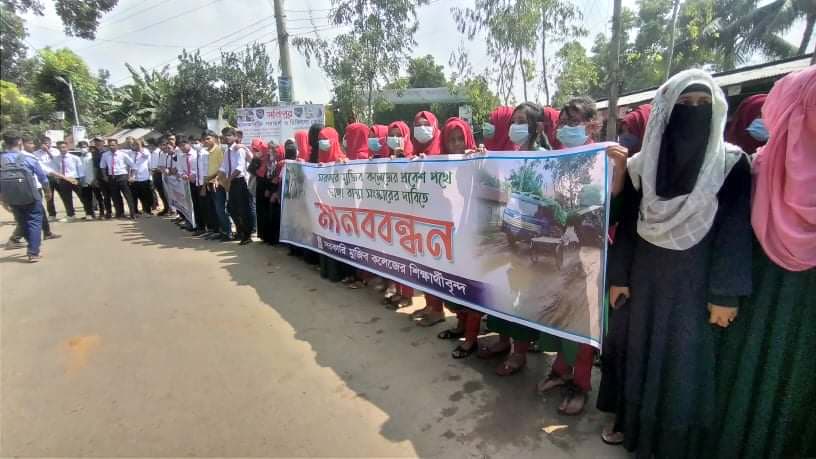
(461, 353)
(451, 334)
(612, 438)
(508, 368)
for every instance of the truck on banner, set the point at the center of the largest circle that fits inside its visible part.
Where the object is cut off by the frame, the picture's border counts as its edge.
(180, 196)
(518, 235)
(278, 123)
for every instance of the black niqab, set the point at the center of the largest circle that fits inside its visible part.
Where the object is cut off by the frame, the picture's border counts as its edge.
(314, 140)
(682, 150)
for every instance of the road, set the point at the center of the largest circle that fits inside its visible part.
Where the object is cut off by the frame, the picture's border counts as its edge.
(134, 339)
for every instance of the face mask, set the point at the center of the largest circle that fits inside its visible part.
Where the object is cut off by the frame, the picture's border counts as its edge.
(488, 130)
(423, 134)
(324, 144)
(630, 141)
(394, 142)
(197, 146)
(519, 133)
(757, 130)
(572, 136)
(83, 150)
(374, 144)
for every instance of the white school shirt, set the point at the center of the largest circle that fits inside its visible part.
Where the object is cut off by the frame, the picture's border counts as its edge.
(155, 159)
(68, 165)
(87, 166)
(45, 158)
(121, 163)
(186, 164)
(235, 159)
(202, 162)
(141, 162)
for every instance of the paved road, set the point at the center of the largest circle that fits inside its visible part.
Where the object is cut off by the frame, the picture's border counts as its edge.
(133, 339)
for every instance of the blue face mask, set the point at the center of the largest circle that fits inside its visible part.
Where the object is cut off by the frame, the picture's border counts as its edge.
(758, 130)
(572, 136)
(488, 130)
(324, 144)
(374, 144)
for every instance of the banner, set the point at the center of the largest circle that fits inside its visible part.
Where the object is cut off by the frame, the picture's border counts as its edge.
(518, 235)
(179, 195)
(277, 123)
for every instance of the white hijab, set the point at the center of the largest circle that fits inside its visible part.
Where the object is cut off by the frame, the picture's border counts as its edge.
(681, 222)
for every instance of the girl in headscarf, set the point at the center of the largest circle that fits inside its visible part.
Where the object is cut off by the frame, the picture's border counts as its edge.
(357, 141)
(426, 134)
(527, 128)
(312, 156)
(377, 141)
(399, 140)
(275, 175)
(496, 131)
(329, 152)
(302, 143)
(457, 139)
(259, 166)
(765, 390)
(633, 128)
(748, 130)
(678, 265)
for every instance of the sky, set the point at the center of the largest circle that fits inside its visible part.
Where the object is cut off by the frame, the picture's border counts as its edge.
(151, 33)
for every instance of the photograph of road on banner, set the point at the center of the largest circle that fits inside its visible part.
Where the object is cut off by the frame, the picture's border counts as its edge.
(519, 235)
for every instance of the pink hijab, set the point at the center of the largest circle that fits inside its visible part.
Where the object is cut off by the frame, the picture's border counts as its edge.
(784, 208)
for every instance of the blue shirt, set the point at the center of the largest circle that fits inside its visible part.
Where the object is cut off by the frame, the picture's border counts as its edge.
(31, 163)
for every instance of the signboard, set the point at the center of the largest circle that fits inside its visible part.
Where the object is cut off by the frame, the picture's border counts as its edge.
(56, 135)
(180, 196)
(284, 89)
(518, 235)
(277, 123)
(79, 133)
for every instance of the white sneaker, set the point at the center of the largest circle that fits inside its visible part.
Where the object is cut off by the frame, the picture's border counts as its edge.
(63, 220)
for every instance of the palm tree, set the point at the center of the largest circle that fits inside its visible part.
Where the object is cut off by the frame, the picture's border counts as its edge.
(139, 103)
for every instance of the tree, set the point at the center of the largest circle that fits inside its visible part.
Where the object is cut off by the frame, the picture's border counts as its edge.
(578, 76)
(370, 55)
(190, 96)
(527, 179)
(140, 103)
(423, 72)
(561, 16)
(14, 106)
(79, 17)
(569, 177)
(66, 64)
(12, 45)
(248, 76)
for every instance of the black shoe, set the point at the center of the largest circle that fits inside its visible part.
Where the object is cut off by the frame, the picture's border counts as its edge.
(245, 241)
(108, 216)
(198, 233)
(51, 236)
(225, 238)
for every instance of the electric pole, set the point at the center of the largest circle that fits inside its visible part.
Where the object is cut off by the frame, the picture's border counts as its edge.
(614, 74)
(285, 87)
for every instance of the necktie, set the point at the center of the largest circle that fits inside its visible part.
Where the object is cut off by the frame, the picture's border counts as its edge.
(229, 164)
(63, 165)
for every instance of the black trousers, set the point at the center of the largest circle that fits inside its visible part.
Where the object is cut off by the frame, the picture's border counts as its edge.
(120, 187)
(275, 221)
(49, 202)
(105, 191)
(86, 194)
(159, 184)
(238, 206)
(66, 192)
(209, 204)
(199, 212)
(143, 193)
(262, 210)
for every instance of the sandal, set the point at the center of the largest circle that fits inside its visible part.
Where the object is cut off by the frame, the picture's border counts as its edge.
(460, 352)
(451, 334)
(610, 437)
(490, 351)
(569, 406)
(405, 302)
(513, 364)
(389, 299)
(549, 383)
(430, 320)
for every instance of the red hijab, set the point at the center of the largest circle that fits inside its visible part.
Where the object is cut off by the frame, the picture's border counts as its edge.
(635, 122)
(406, 137)
(551, 116)
(432, 147)
(457, 123)
(380, 131)
(258, 145)
(302, 141)
(334, 153)
(500, 118)
(357, 141)
(749, 110)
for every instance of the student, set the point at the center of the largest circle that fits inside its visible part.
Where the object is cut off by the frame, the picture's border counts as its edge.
(215, 189)
(88, 180)
(119, 171)
(765, 364)
(378, 141)
(329, 153)
(45, 155)
(747, 129)
(186, 171)
(678, 262)
(233, 174)
(103, 188)
(28, 216)
(457, 139)
(302, 142)
(289, 151)
(425, 138)
(141, 181)
(496, 131)
(357, 141)
(157, 159)
(259, 167)
(633, 128)
(152, 146)
(67, 172)
(200, 169)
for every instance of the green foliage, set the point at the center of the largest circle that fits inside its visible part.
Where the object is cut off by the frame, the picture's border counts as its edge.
(423, 72)
(14, 105)
(578, 74)
(248, 77)
(140, 103)
(190, 95)
(79, 17)
(13, 48)
(570, 175)
(66, 64)
(527, 179)
(590, 195)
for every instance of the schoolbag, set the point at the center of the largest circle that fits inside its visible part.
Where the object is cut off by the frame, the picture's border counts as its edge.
(17, 185)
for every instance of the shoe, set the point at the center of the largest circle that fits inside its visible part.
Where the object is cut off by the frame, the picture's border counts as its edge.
(52, 236)
(198, 233)
(245, 241)
(34, 258)
(12, 244)
(108, 216)
(225, 238)
(63, 220)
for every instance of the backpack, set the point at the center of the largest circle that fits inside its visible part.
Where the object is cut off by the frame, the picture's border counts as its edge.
(17, 183)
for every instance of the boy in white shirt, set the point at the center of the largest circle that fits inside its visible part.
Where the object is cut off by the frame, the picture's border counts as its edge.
(67, 170)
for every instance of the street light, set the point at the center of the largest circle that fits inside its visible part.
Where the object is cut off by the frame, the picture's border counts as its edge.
(73, 99)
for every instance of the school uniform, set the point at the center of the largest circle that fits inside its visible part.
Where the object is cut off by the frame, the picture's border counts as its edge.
(45, 157)
(201, 201)
(235, 162)
(70, 167)
(143, 191)
(87, 184)
(117, 167)
(102, 189)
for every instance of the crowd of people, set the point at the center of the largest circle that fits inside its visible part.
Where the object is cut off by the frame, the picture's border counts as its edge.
(712, 248)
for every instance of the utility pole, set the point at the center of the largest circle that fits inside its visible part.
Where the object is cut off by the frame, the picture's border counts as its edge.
(614, 78)
(285, 94)
(67, 82)
(675, 10)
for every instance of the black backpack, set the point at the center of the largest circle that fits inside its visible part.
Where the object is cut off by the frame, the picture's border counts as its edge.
(17, 183)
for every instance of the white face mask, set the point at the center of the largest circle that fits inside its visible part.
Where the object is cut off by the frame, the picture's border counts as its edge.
(423, 134)
(394, 142)
(519, 133)
(197, 146)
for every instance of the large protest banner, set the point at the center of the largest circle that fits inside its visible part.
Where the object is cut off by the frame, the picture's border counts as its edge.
(517, 235)
(180, 196)
(277, 123)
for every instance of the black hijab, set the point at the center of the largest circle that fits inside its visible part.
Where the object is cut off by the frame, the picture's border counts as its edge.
(314, 138)
(683, 147)
(290, 150)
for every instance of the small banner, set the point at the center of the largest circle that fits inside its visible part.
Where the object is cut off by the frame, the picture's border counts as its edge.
(278, 123)
(180, 197)
(518, 235)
